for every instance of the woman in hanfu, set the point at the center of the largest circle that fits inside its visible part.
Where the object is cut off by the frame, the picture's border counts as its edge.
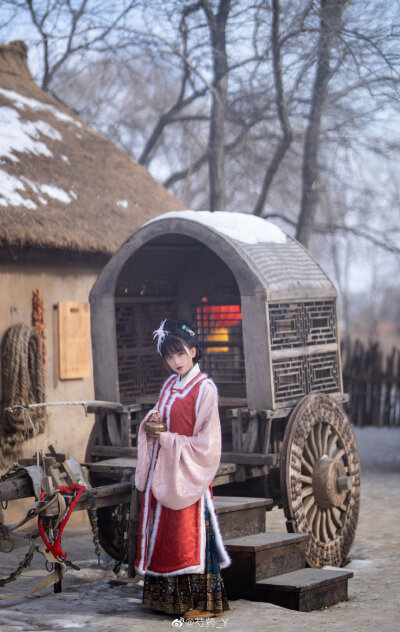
(180, 550)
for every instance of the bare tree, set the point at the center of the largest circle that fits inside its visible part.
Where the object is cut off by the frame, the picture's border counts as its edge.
(64, 29)
(264, 94)
(330, 23)
(282, 111)
(217, 22)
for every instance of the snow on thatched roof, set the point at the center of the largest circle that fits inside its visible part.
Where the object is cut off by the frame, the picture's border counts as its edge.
(62, 185)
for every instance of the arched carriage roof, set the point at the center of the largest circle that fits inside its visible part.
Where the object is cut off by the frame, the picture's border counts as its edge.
(261, 256)
(266, 263)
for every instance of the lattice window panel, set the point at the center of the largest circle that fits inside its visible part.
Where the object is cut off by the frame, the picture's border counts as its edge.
(323, 373)
(220, 335)
(306, 374)
(140, 370)
(126, 328)
(286, 325)
(294, 325)
(289, 379)
(320, 322)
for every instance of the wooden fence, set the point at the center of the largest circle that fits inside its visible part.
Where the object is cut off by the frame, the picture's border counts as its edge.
(373, 383)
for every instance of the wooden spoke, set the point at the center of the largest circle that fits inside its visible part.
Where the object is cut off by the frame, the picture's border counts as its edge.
(307, 453)
(308, 503)
(325, 434)
(338, 455)
(306, 491)
(312, 444)
(332, 444)
(311, 514)
(317, 524)
(336, 522)
(318, 437)
(305, 479)
(324, 533)
(307, 465)
(330, 525)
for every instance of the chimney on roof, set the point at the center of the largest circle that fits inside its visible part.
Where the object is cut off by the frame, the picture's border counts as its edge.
(14, 59)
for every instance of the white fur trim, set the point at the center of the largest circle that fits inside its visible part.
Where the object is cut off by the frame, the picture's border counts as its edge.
(181, 394)
(225, 560)
(146, 497)
(164, 394)
(154, 533)
(201, 389)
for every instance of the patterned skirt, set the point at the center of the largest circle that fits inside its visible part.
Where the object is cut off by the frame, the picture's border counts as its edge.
(177, 594)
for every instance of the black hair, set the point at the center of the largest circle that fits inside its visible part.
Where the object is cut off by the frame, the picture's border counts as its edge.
(180, 333)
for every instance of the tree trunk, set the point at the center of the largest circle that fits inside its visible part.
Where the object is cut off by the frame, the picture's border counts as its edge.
(330, 20)
(287, 133)
(216, 141)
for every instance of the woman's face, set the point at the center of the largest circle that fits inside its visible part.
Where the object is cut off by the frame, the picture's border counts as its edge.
(181, 362)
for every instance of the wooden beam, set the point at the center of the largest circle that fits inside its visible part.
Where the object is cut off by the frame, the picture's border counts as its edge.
(242, 458)
(22, 488)
(106, 496)
(114, 451)
(16, 488)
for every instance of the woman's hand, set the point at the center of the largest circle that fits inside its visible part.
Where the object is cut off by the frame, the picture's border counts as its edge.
(154, 418)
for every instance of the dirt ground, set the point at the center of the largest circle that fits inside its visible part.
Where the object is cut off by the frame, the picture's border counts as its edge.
(89, 602)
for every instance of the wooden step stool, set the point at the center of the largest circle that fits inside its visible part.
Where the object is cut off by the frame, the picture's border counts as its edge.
(271, 566)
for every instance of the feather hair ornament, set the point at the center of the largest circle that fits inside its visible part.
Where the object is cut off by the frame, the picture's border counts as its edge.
(160, 334)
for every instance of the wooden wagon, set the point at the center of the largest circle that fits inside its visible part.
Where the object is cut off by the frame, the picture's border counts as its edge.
(267, 320)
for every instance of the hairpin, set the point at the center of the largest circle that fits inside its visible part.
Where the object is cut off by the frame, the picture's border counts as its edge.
(187, 329)
(160, 334)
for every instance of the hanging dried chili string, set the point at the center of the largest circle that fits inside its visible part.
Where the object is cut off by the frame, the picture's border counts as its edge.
(38, 319)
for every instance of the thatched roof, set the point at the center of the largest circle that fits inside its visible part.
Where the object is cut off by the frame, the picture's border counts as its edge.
(62, 186)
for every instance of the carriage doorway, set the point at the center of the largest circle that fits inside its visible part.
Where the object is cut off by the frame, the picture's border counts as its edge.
(169, 276)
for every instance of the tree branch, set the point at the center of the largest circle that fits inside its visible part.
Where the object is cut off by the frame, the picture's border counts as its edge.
(287, 137)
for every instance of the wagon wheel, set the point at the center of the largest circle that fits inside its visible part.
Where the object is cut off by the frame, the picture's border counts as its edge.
(320, 479)
(112, 520)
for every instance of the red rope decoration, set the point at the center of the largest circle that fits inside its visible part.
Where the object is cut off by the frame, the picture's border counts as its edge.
(55, 548)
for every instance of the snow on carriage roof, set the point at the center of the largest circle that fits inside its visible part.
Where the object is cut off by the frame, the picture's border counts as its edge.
(285, 268)
(243, 227)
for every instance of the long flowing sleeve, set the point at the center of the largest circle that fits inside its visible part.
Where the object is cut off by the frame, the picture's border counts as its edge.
(186, 465)
(145, 445)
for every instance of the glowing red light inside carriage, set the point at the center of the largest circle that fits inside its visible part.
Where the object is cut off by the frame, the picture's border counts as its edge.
(218, 315)
(215, 322)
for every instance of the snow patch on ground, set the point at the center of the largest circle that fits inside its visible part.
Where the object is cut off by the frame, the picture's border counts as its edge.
(22, 103)
(66, 625)
(242, 227)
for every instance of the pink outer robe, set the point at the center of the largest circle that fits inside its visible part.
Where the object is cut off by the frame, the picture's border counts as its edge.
(175, 473)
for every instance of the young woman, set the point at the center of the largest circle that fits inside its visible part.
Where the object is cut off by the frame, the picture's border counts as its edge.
(180, 549)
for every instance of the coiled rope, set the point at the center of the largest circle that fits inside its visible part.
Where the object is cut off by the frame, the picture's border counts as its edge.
(23, 382)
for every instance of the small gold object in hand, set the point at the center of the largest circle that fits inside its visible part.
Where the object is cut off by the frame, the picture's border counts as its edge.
(155, 426)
